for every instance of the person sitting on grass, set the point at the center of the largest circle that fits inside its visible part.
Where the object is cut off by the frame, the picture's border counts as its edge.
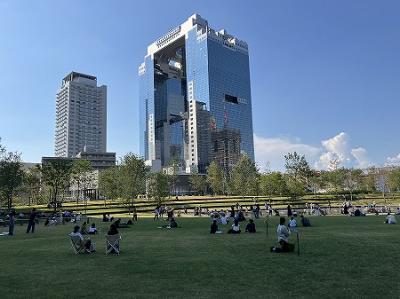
(214, 228)
(305, 222)
(105, 218)
(292, 224)
(251, 227)
(390, 219)
(92, 229)
(283, 237)
(86, 242)
(235, 228)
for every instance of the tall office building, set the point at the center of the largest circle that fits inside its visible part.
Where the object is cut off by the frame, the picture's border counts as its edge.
(195, 98)
(81, 116)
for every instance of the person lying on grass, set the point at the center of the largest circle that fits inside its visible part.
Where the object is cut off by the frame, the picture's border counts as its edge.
(85, 242)
(251, 227)
(283, 238)
(390, 219)
(235, 227)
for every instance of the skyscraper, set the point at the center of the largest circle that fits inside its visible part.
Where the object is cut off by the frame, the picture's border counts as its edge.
(195, 98)
(81, 116)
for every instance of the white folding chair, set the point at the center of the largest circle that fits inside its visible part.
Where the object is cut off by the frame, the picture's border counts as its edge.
(112, 243)
(77, 244)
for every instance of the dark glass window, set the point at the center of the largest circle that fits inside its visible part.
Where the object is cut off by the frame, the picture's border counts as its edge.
(231, 99)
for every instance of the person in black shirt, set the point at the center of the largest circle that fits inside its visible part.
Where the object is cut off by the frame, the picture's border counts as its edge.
(113, 230)
(31, 223)
(251, 227)
(214, 227)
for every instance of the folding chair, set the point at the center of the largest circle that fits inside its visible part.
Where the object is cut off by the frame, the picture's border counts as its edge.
(77, 244)
(112, 243)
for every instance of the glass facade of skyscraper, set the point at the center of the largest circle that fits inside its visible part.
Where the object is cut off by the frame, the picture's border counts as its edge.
(195, 98)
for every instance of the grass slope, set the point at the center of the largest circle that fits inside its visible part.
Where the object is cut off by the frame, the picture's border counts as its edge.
(340, 257)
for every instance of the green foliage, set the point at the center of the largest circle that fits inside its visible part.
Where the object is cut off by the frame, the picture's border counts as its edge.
(273, 183)
(198, 183)
(110, 182)
(133, 175)
(56, 175)
(158, 188)
(298, 174)
(32, 184)
(394, 180)
(244, 177)
(215, 178)
(11, 175)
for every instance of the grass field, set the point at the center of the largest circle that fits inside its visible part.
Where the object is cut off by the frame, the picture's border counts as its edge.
(340, 257)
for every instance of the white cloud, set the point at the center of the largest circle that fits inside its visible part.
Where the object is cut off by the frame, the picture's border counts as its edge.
(393, 161)
(336, 149)
(271, 151)
(361, 156)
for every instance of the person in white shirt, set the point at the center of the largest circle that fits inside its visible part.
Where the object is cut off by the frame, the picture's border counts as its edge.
(292, 225)
(390, 219)
(85, 242)
(235, 228)
(92, 229)
(283, 237)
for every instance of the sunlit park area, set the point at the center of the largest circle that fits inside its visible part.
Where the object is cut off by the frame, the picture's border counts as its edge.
(199, 149)
(338, 256)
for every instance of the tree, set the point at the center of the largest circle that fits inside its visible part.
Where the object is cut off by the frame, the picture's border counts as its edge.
(110, 182)
(11, 175)
(272, 183)
(81, 176)
(158, 188)
(133, 175)
(244, 177)
(32, 183)
(336, 179)
(298, 173)
(215, 178)
(394, 180)
(352, 180)
(198, 182)
(56, 175)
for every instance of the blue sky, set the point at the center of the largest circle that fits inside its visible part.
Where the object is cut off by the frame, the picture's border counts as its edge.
(325, 74)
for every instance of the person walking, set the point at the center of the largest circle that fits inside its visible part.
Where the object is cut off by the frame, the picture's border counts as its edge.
(11, 223)
(31, 223)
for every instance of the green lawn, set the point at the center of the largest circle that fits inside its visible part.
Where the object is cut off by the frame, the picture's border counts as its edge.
(340, 257)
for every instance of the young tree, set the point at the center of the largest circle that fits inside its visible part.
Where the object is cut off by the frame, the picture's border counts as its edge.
(245, 177)
(81, 176)
(394, 180)
(215, 178)
(158, 188)
(298, 173)
(352, 180)
(32, 183)
(133, 174)
(110, 182)
(11, 175)
(272, 183)
(56, 175)
(198, 183)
